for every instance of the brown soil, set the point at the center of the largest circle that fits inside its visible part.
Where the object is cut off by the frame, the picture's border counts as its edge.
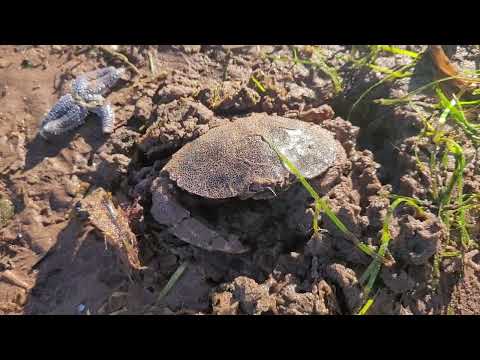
(53, 261)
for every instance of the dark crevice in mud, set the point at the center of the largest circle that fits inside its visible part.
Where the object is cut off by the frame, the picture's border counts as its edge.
(342, 302)
(384, 128)
(232, 216)
(231, 113)
(376, 135)
(39, 148)
(69, 263)
(141, 160)
(135, 123)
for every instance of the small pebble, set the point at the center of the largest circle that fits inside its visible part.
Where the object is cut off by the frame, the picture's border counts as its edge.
(4, 63)
(81, 308)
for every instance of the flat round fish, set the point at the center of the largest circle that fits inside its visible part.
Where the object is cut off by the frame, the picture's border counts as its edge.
(233, 159)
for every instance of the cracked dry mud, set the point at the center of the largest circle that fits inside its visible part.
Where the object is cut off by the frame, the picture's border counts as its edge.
(51, 262)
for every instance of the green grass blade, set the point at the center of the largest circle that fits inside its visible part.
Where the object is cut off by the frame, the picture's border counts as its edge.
(368, 304)
(258, 84)
(378, 83)
(173, 279)
(330, 71)
(453, 107)
(396, 50)
(385, 70)
(407, 98)
(447, 254)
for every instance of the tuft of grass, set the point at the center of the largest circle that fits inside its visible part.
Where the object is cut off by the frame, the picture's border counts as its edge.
(371, 273)
(443, 196)
(318, 62)
(7, 210)
(453, 108)
(409, 97)
(453, 206)
(389, 77)
(330, 71)
(366, 60)
(392, 74)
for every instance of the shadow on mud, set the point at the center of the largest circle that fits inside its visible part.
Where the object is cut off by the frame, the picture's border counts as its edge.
(39, 148)
(383, 127)
(78, 271)
(77, 274)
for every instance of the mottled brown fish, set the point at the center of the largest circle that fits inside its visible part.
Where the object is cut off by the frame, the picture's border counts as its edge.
(112, 222)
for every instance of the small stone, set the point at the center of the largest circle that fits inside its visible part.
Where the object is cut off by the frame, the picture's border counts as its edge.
(191, 49)
(4, 63)
(7, 210)
(317, 115)
(72, 186)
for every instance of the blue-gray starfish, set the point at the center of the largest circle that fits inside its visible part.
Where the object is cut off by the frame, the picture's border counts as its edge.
(86, 96)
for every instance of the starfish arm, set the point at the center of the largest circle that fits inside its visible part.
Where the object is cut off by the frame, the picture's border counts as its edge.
(92, 85)
(63, 105)
(72, 119)
(107, 81)
(96, 74)
(107, 116)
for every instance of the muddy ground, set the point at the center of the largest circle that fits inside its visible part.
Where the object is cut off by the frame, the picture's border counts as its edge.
(54, 262)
